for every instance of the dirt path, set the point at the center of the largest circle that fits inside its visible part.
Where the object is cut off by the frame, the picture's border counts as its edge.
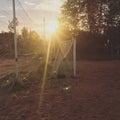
(93, 95)
(24, 63)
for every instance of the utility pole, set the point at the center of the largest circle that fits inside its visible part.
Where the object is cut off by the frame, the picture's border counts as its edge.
(15, 40)
(44, 30)
(74, 56)
(44, 37)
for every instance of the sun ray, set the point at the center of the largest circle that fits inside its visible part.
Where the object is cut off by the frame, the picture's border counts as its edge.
(44, 77)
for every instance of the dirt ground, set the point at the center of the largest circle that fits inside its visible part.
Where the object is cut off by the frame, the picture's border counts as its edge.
(93, 95)
(25, 63)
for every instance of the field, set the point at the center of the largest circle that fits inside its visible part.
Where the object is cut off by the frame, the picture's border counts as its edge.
(93, 95)
(25, 63)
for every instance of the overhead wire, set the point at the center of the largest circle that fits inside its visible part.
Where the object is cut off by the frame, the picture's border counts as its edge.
(27, 15)
(4, 12)
(5, 16)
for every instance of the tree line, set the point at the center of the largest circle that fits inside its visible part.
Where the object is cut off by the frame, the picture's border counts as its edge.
(29, 42)
(96, 24)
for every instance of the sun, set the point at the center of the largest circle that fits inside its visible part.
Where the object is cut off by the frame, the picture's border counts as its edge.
(48, 29)
(51, 27)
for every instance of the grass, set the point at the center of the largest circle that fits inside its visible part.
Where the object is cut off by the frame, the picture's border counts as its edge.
(9, 84)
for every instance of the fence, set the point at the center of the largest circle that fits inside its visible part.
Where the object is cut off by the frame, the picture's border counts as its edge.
(30, 54)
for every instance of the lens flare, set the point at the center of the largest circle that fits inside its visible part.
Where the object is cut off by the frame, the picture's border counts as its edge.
(44, 77)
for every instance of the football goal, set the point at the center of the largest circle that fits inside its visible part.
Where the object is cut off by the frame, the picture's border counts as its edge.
(64, 57)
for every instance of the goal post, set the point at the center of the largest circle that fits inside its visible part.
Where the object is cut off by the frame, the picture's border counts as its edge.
(65, 57)
(74, 57)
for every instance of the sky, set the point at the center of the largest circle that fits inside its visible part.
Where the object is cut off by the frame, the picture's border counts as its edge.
(30, 13)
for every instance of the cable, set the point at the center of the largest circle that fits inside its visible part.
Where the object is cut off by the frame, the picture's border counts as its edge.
(27, 17)
(25, 11)
(5, 19)
(4, 12)
(2, 19)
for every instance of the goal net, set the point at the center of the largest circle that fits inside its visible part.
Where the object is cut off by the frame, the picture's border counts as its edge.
(63, 57)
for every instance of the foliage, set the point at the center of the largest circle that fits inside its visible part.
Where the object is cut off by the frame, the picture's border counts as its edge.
(91, 46)
(98, 18)
(30, 41)
(92, 15)
(6, 44)
(63, 33)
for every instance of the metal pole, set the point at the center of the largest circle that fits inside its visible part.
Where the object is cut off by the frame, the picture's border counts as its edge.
(74, 56)
(44, 37)
(44, 31)
(15, 40)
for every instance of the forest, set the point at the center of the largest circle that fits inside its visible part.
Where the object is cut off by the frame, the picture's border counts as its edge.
(96, 25)
(29, 42)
